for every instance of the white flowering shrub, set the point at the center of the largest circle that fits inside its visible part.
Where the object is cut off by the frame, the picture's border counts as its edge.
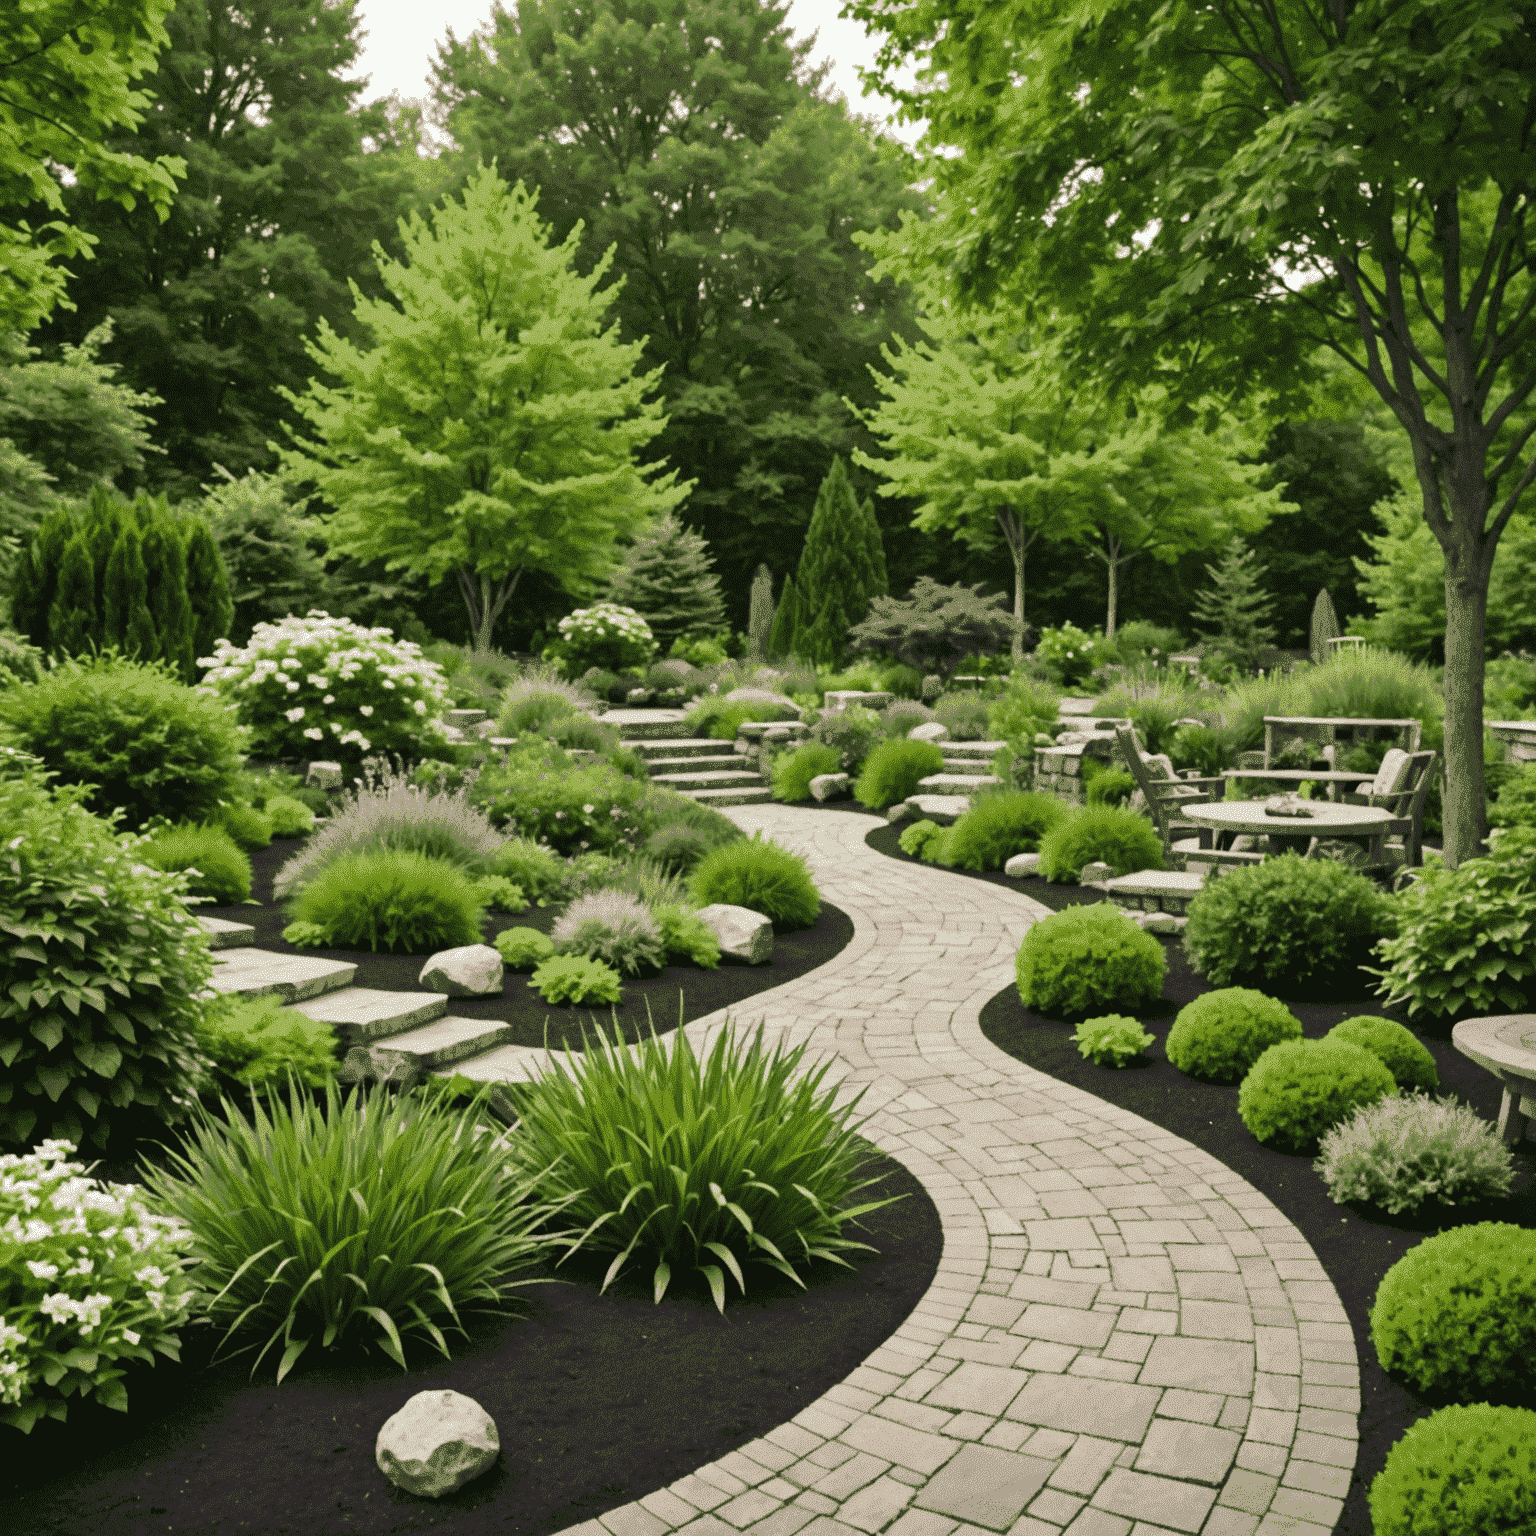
(607, 635)
(1070, 654)
(327, 689)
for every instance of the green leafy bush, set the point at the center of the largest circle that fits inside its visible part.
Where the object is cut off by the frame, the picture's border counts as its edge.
(1024, 709)
(535, 713)
(585, 733)
(761, 875)
(1406, 1058)
(571, 809)
(999, 825)
(217, 871)
(1457, 1314)
(1299, 1089)
(1299, 926)
(793, 772)
(604, 635)
(1516, 805)
(1123, 839)
(306, 935)
(714, 716)
(1404, 1152)
(915, 838)
(893, 771)
(530, 865)
(249, 828)
(686, 936)
(965, 715)
(852, 735)
(145, 743)
(664, 807)
(392, 902)
(1201, 748)
(523, 949)
(586, 873)
(252, 1040)
(677, 848)
(498, 894)
(102, 973)
(1466, 938)
(1221, 1034)
(611, 926)
(1113, 1040)
(1087, 960)
(290, 817)
(566, 979)
(905, 715)
(1069, 655)
(1114, 786)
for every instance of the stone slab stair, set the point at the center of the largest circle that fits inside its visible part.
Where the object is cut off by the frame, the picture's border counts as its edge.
(706, 770)
(967, 768)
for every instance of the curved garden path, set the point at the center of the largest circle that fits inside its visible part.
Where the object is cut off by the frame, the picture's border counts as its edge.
(1123, 1337)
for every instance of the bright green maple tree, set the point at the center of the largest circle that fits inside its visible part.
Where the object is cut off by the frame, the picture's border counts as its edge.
(491, 427)
(1213, 193)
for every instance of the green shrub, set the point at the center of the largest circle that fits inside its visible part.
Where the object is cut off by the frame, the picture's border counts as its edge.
(535, 713)
(290, 817)
(916, 837)
(761, 875)
(523, 949)
(1466, 938)
(1299, 1089)
(1088, 960)
(1457, 1314)
(574, 979)
(1024, 709)
(792, 773)
(1114, 786)
(664, 807)
(530, 865)
(606, 634)
(1152, 698)
(904, 715)
(1298, 926)
(1221, 1034)
(1516, 805)
(893, 771)
(999, 825)
(586, 873)
(571, 809)
(714, 717)
(1201, 748)
(217, 871)
(1140, 643)
(147, 744)
(391, 902)
(611, 926)
(964, 714)
(852, 735)
(252, 1041)
(1406, 1058)
(1401, 1153)
(103, 974)
(685, 935)
(677, 848)
(652, 883)
(19, 661)
(1123, 839)
(306, 936)
(498, 894)
(585, 734)
(1463, 1471)
(905, 682)
(1113, 1040)
(249, 828)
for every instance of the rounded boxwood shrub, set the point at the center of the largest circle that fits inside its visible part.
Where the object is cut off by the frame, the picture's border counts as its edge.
(523, 949)
(1221, 1034)
(391, 901)
(1405, 1057)
(1088, 960)
(1467, 1470)
(793, 771)
(147, 744)
(1299, 1090)
(222, 871)
(915, 838)
(997, 826)
(249, 828)
(894, 769)
(762, 876)
(289, 817)
(1302, 927)
(1457, 1314)
(1121, 838)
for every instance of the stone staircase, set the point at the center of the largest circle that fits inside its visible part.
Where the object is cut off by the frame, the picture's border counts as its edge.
(709, 771)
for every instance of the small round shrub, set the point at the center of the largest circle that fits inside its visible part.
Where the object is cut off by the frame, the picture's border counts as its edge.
(611, 926)
(761, 875)
(1088, 960)
(537, 869)
(604, 635)
(1516, 804)
(1114, 786)
(1201, 748)
(585, 734)
(1404, 1152)
(852, 735)
(916, 837)
(392, 902)
(1457, 1314)
(664, 807)
(567, 979)
(223, 871)
(1302, 927)
(501, 895)
(1221, 1034)
(249, 828)
(1300, 1089)
(686, 936)
(1463, 1471)
(792, 773)
(905, 715)
(523, 949)
(534, 714)
(894, 769)
(964, 714)
(999, 825)
(1113, 1040)
(289, 817)
(1121, 838)
(1405, 1057)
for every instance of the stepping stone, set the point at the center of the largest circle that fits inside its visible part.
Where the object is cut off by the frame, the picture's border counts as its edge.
(762, 795)
(262, 973)
(983, 751)
(956, 783)
(438, 1043)
(680, 746)
(646, 724)
(719, 778)
(753, 730)
(726, 761)
(370, 1013)
(1156, 890)
(942, 810)
(223, 934)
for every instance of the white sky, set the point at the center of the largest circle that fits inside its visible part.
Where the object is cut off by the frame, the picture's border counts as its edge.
(403, 36)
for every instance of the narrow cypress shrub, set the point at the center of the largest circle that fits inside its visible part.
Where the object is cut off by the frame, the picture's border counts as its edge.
(207, 590)
(760, 614)
(781, 640)
(169, 606)
(837, 567)
(874, 544)
(1325, 626)
(125, 617)
(73, 618)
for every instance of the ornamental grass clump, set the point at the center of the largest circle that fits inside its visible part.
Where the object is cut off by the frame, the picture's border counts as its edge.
(1300, 1089)
(761, 875)
(614, 927)
(392, 902)
(1088, 960)
(894, 770)
(354, 1225)
(1111, 834)
(793, 771)
(999, 825)
(696, 1166)
(217, 871)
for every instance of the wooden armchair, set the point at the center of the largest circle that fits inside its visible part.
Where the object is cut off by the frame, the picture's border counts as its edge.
(1402, 789)
(1164, 796)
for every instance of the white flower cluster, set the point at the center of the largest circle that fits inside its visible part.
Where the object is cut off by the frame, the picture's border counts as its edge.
(605, 619)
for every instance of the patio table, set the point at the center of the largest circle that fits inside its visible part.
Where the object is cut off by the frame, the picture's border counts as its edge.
(1336, 779)
(1505, 1045)
(1230, 818)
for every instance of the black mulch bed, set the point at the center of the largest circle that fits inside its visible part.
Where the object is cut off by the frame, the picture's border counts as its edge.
(1356, 1245)
(600, 1399)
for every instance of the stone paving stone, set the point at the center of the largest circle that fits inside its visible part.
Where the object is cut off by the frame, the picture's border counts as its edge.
(985, 1486)
(1082, 1405)
(1161, 1500)
(1202, 1365)
(1193, 1451)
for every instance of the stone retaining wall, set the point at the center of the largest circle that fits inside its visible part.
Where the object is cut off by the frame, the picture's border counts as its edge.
(1519, 738)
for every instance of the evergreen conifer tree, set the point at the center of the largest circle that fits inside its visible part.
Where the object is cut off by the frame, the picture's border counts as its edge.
(879, 583)
(207, 590)
(786, 618)
(170, 609)
(37, 576)
(836, 571)
(1325, 625)
(73, 616)
(760, 613)
(122, 586)
(667, 579)
(1233, 608)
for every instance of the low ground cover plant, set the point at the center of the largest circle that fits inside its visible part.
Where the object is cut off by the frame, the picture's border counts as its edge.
(289, 816)
(715, 716)
(576, 979)
(1300, 1089)
(391, 901)
(761, 875)
(917, 836)
(217, 871)
(1087, 960)
(1124, 839)
(894, 769)
(1112, 1040)
(523, 949)
(255, 1040)
(1221, 1034)
(793, 771)
(997, 826)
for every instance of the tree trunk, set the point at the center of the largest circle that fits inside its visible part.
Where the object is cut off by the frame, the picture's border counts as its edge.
(484, 605)
(1018, 546)
(1463, 787)
(1113, 562)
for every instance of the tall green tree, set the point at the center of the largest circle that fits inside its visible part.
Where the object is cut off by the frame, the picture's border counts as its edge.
(668, 579)
(836, 575)
(491, 426)
(1214, 193)
(1234, 608)
(690, 136)
(786, 620)
(73, 615)
(168, 606)
(207, 590)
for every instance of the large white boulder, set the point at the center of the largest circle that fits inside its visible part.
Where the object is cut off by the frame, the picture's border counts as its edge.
(1022, 866)
(744, 935)
(787, 708)
(473, 970)
(830, 786)
(929, 730)
(436, 1443)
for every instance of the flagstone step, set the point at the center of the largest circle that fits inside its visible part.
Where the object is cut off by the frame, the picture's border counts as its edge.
(250, 972)
(647, 724)
(1155, 890)
(975, 751)
(956, 783)
(943, 810)
(443, 1042)
(668, 747)
(724, 762)
(762, 795)
(365, 1014)
(718, 778)
(223, 934)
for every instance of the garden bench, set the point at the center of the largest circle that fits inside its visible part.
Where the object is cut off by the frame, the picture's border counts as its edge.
(1402, 788)
(1164, 797)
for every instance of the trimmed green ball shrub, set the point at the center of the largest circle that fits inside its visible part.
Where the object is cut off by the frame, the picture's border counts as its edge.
(1405, 1057)
(1457, 1314)
(392, 902)
(289, 817)
(686, 936)
(223, 871)
(762, 876)
(915, 838)
(1221, 1034)
(893, 771)
(1299, 1090)
(530, 865)
(251, 829)
(997, 826)
(793, 772)
(1121, 838)
(1463, 1471)
(1088, 960)
(1300, 927)
(523, 949)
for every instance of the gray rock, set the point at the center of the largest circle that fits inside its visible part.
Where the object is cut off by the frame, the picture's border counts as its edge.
(838, 699)
(1023, 866)
(929, 730)
(788, 709)
(473, 970)
(323, 776)
(744, 935)
(942, 810)
(901, 811)
(830, 786)
(436, 1443)
(1160, 922)
(1098, 870)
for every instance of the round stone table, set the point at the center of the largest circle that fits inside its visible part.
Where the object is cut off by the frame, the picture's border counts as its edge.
(1233, 817)
(1506, 1046)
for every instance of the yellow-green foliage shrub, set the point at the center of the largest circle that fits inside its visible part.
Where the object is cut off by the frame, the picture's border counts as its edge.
(217, 871)
(1088, 960)
(1123, 839)
(1300, 1089)
(1406, 1058)
(1221, 1034)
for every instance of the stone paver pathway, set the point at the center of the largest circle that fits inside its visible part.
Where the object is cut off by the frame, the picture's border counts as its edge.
(1123, 1337)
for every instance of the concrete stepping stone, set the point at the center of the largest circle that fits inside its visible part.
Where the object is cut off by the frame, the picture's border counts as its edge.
(223, 934)
(646, 724)
(762, 795)
(1155, 890)
(982, 751)
(441, 1043)
(942, 810)
(956, 783)
(263, 973)
(370, 1013)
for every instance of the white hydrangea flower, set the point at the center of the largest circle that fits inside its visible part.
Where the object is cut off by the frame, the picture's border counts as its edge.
(314, 733)
(294, 715)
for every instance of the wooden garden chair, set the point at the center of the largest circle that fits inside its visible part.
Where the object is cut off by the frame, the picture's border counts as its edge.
(1401, 787)
(1165, 795)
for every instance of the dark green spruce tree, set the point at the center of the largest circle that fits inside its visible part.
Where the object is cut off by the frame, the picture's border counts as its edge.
(837, 572)
(74, 619)
(786, 619)
(668, 579)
